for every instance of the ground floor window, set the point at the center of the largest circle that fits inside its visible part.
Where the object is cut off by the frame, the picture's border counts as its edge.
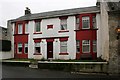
(85, 46)
(94, 46)
(78, 46)
(26, 48)
(63, 46)
(19, 48)
(37, 48)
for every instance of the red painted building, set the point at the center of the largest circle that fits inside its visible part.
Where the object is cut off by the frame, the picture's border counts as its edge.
(64, 34)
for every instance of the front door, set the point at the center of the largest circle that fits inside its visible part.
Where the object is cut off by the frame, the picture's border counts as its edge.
(49, 50)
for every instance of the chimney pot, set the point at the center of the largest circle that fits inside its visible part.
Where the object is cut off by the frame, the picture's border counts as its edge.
(27, 11)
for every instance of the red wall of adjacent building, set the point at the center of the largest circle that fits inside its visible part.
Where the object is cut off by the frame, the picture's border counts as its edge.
(86, 34)
(20, 38)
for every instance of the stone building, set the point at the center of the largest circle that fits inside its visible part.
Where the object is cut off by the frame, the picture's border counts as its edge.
(5, 44)
(110, 19)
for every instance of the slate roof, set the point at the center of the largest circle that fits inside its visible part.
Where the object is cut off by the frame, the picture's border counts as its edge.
(58, 13)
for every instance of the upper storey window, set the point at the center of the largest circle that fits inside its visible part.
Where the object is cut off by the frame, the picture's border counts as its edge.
(94, 22)
(26, 28)
(85, 22)
(63, 24)
(20, 28)
(77, 23)
(37, 26)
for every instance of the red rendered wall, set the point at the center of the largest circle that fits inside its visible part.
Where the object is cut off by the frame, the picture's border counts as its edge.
(86, 34)
(20, 38)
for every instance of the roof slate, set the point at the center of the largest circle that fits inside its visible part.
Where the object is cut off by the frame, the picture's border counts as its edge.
(58, 13)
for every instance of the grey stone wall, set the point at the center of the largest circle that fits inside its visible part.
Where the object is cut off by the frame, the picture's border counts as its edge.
(114, 45)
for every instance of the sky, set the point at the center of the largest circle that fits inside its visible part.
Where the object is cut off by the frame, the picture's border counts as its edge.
(12, 9)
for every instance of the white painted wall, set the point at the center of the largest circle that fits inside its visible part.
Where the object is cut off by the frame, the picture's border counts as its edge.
(30, 39)
(47, 33)
(6, 55)
(99, 46)
(104, 31)
(10, 32)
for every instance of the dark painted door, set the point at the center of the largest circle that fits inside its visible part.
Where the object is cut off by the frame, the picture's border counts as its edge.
(49, 49)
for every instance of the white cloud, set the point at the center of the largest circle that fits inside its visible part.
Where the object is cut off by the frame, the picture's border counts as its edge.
(11, 9)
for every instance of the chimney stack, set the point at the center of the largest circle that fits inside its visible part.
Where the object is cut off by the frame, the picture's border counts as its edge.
(27, 11)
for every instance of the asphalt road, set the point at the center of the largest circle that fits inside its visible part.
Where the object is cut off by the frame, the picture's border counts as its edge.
(9, 71)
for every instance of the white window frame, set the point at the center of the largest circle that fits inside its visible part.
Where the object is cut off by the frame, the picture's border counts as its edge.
(25, 45)
(36, 25)
(61, 45)
(20, 26)
(85, 18)
(77, 45)
(37, 44)
(85, 44)
(26, 28)
(63, 23)
(95, 44)
(19, 45)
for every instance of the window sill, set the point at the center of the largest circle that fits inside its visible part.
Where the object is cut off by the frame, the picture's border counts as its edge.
(61, 31)
(21, 34)
(37, 54)
(86, 29)
(37, 33)
(63, 53)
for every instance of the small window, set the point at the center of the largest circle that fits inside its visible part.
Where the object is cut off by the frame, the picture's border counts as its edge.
(77, 23)
(26, 48)
(86, 46)
(19, 48)
(19, 28)
(94, 46)
(37, 48)
(37, 26)
(85, 23)
(49, 26)
(63, 24)
(63, 46)
(94, 22)
(78, 46)
(26, 28)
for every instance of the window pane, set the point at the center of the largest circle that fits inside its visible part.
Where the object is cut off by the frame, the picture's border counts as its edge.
(85, 46)
(37, 44)
(77, 27)
(94, 46)
(94, 22)
(77, 20)
(26, 48)
(19, 48)
(26, 28)
(63, 24)
(37, 27)
(63, 46)
(64, 27)
(19, 28)
(78, 46)
(37, 48)
(85, 23)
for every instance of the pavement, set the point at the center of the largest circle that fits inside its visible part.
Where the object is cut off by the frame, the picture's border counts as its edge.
(10, 71)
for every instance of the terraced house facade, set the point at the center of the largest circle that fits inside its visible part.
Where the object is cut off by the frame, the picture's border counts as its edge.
(63, 34)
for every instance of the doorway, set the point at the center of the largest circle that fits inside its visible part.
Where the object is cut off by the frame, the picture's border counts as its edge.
(49, 50)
